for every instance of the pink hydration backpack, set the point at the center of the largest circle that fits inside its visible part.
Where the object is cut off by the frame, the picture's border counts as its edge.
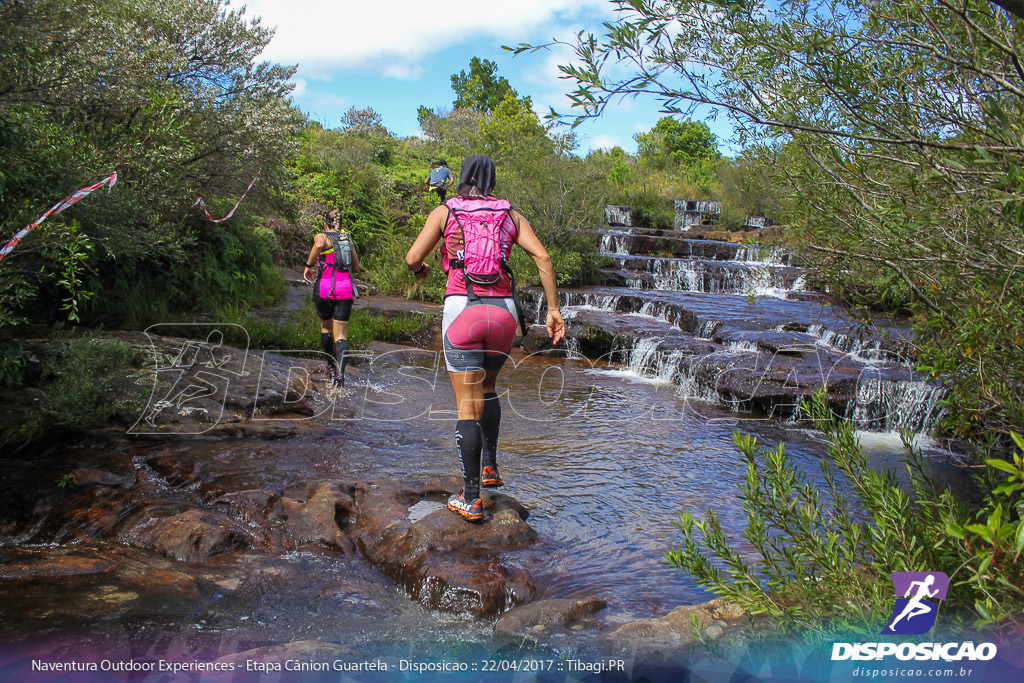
(486, 237)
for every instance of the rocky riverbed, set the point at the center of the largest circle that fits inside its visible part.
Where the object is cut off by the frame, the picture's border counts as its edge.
(165, 519)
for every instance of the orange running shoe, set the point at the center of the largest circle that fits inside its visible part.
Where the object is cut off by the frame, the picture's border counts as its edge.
(489, 477)
(472, 510)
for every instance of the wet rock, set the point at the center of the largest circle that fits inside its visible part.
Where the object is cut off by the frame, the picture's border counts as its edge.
(537, 622)
(91, 476)
(176, 469)
(443, 561)
(787, 343)
(315, 518)
(677, 246)
(192, 535)
(613, 278)
(46, 563)
(92, 579)
(203, 385)
(668, 636)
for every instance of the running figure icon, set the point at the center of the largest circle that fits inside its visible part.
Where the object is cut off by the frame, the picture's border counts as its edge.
(915, 607)
(917, 602)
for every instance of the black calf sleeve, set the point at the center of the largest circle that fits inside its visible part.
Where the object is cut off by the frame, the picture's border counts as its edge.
(468, 439)
(341, 354)
(327, 343)
(489, 423)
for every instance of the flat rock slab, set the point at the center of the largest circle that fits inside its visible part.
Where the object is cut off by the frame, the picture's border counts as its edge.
(540, 622)
(105, 578)
(443, 561)
(666, 637)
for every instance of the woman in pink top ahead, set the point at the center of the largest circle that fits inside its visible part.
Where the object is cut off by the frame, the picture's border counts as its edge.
(479, 323)
(333, 290)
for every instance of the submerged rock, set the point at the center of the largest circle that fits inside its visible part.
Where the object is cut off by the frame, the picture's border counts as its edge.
(537, 622)
(666, 637)
(317, 517)
(193, 535)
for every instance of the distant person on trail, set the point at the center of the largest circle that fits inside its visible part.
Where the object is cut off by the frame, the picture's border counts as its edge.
(335, 259)
(438, 179)
(480, 313)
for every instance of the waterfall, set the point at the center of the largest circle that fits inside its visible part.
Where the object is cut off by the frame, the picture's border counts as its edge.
(690, 386)
(707, 329)
(612, 245)
(697, 341)
(873, 350)
(756, 253)
(715, 277)
(572, 348)
(887, 405)
(643, 356)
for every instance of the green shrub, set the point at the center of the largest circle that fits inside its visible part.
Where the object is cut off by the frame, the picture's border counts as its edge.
(12, 364)
(823, 552)
(300, 330)
(652, 210)
(995, 542)
(76, 377)
(366, 327)
(977, 355)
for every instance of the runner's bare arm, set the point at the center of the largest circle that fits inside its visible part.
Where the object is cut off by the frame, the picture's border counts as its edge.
(314, 254)
(527, 239)
(428, 238)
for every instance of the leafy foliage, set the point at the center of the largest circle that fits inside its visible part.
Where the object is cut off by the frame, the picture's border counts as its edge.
(167, 94)
(76, 375)
(822, 551)
(482, 88)
(674, 143)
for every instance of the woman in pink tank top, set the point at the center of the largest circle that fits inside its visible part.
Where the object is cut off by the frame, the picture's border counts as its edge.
(333, 294)
(480, 314)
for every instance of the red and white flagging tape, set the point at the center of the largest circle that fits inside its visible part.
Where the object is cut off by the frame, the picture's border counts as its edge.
(57, 208)
(200, 203)
(86, 191)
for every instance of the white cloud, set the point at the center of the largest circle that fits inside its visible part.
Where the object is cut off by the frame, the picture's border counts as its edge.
(404, 72)
(602, 141)
(324, 35)
(300, 87)
(549, 90)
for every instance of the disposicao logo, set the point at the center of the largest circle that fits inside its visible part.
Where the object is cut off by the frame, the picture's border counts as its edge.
(917, 602)
(914, 612)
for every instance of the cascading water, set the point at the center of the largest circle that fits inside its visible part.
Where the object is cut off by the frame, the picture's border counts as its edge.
(719, 320)
(884, 405)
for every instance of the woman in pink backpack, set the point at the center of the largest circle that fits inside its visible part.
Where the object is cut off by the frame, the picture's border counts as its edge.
(335, 260)
(480, 313)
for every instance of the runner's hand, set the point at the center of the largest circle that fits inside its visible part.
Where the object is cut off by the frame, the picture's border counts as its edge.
(556, 326)
(423, 273)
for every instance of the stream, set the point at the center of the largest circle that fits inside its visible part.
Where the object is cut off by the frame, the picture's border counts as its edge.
(604, 444)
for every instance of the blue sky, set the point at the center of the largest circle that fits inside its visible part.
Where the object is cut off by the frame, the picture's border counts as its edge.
(395, 55)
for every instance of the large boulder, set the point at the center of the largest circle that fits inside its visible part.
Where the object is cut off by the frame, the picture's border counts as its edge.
(443, 561)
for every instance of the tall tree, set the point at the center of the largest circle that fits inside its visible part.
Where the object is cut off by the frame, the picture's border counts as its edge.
(482, 88)
(681, 143)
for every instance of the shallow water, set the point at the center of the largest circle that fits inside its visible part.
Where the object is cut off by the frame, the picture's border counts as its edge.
(603, 459)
